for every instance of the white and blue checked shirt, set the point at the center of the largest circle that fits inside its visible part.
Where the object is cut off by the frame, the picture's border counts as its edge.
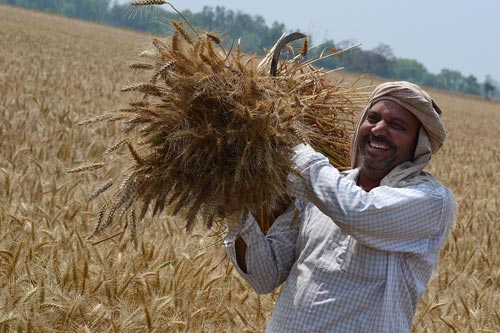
(355, 261)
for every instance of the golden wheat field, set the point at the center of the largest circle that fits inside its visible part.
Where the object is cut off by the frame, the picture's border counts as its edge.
(56, 72)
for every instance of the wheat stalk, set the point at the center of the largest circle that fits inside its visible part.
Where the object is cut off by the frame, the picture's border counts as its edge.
(88, 167)
(212, 126)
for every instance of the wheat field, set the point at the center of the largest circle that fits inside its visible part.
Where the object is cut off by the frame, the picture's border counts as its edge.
(57, 72)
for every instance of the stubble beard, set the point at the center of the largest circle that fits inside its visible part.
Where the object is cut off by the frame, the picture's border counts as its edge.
(384, 165)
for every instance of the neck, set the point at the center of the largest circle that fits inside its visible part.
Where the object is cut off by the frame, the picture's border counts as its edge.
(368, 180)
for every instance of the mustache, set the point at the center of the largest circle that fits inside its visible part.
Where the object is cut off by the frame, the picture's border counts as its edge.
(378, 139)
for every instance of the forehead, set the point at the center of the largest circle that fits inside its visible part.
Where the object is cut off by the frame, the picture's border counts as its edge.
(394, 111)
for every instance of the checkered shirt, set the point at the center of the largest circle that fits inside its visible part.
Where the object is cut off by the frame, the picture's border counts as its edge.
(354, 261)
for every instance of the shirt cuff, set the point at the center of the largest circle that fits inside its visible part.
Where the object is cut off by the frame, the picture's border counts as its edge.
(249, 230)
(301, 158)
(242, 226)
(301, 153)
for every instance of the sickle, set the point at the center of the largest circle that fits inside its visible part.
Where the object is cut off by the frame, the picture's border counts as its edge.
(281, 44)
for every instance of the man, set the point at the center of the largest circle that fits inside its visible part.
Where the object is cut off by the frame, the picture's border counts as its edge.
(366, 241)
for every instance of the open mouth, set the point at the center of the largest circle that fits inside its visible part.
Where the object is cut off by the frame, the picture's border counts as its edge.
(377, 145)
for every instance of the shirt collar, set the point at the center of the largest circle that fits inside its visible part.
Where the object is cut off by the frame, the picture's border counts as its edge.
(351, 174)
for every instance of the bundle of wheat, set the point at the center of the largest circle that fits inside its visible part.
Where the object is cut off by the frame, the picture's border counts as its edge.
(214, 126)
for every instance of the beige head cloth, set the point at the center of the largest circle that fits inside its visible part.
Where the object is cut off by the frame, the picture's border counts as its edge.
(430, 138)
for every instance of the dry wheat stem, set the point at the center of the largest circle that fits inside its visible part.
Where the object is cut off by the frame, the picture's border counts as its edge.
(161, 2)
(89, 167)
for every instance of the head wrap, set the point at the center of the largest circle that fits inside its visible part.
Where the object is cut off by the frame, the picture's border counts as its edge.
(430, 137)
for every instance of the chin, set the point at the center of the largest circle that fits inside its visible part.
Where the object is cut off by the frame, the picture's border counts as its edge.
(377, 166)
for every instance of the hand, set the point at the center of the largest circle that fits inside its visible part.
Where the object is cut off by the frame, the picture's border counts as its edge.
(230, 206)
(266, 218)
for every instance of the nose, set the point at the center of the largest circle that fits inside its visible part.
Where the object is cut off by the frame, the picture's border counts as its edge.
(379, 128)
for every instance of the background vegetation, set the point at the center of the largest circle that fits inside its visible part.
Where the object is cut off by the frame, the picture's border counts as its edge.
(257, 35)
(57, 72)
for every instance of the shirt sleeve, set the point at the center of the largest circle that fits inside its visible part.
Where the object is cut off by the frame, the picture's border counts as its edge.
(386, 218)
(269, 258)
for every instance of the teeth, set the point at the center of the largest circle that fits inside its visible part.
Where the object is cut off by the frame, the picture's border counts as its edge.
(378, 146)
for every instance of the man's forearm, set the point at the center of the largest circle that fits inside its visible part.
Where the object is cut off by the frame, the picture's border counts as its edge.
(241, 246)
(241, 249)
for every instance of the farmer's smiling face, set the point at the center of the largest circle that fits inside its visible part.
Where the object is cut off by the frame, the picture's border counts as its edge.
(387, 138)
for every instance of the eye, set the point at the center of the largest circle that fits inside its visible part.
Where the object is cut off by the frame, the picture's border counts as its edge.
(398, 126)
(372, 118)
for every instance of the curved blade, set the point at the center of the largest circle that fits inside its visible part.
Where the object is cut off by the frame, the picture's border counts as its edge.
(281, 44)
